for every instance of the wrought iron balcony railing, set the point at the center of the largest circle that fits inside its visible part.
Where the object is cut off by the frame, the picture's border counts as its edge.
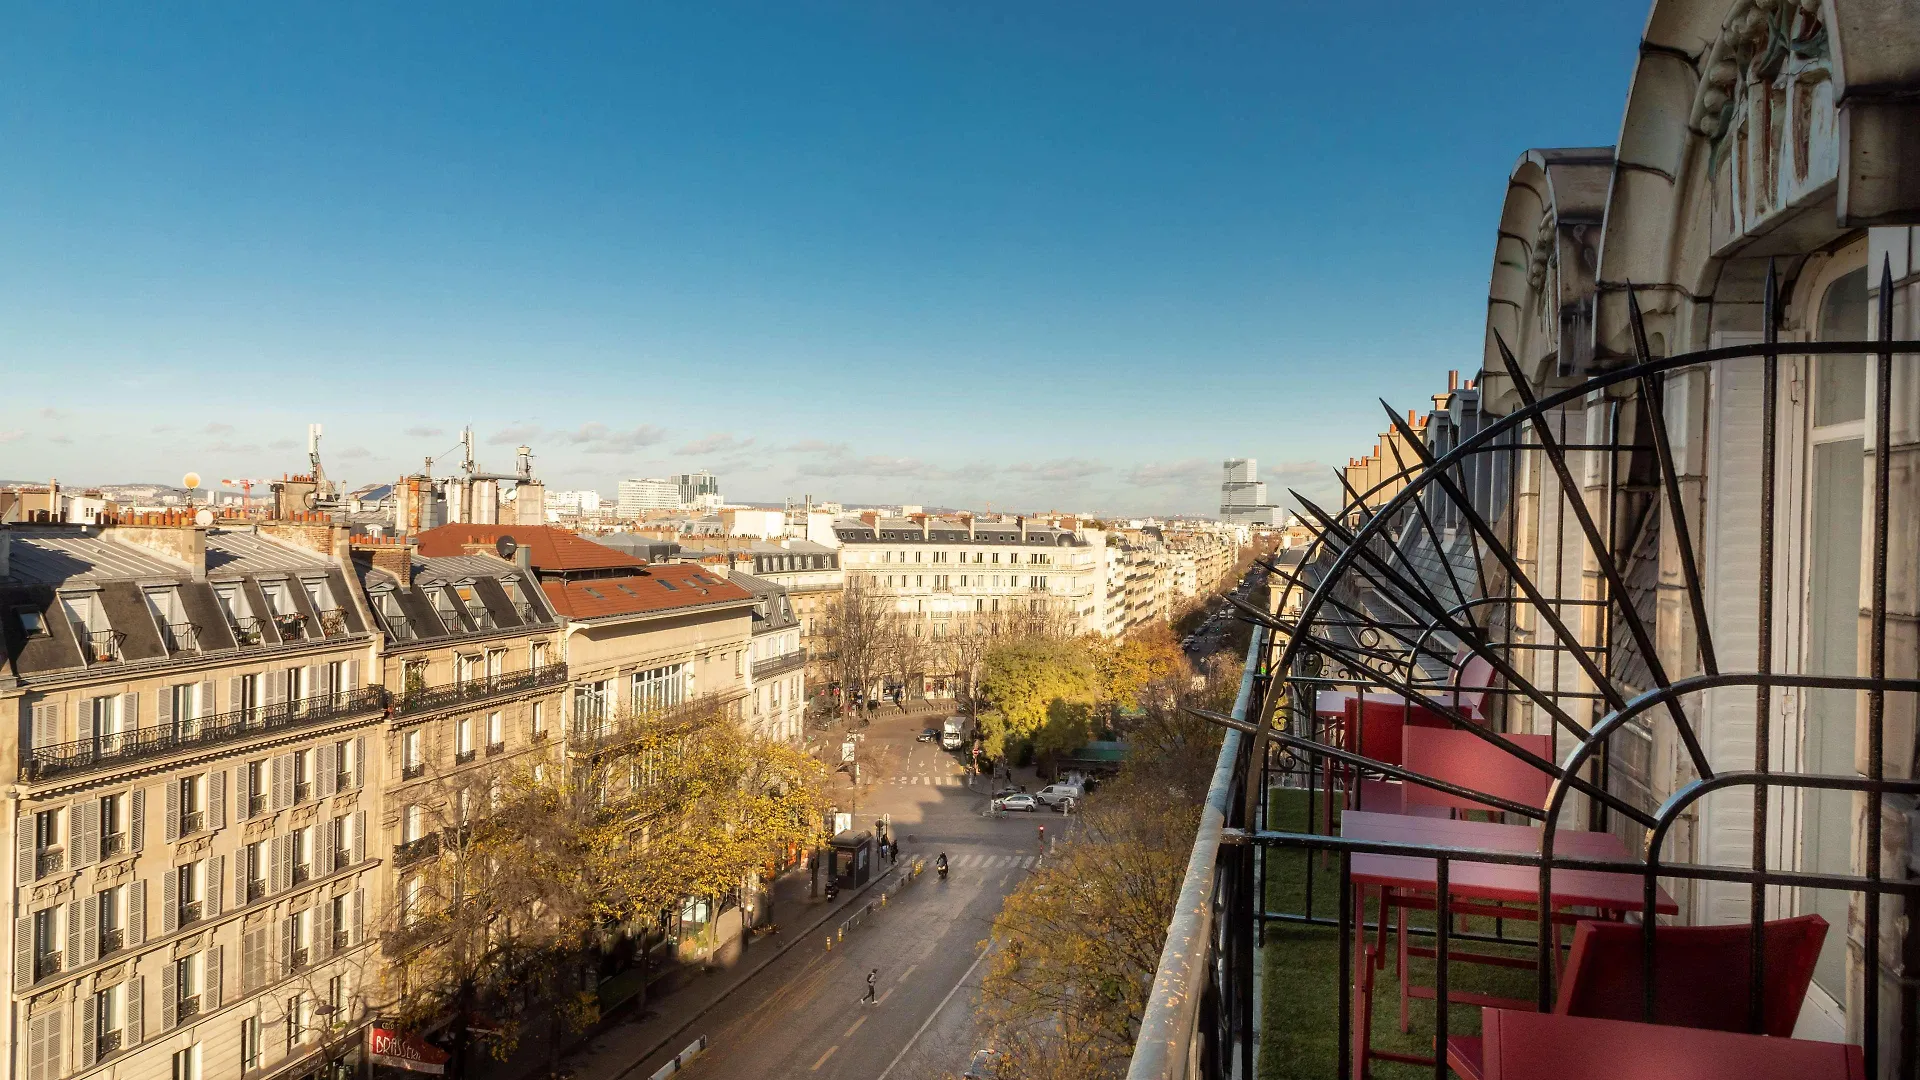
(182, 637)
(495, 749)
(256, 888)
(333, 622)
(100, 646)
(462, 757)
(412, 851)
(193, 822)
(59, 759)
(474, 691)
(413, 771)
(779, 665)
(112, 941)
(47, 965)
(106, 1044)
(302, 791)
(528, 613)
(49, 861)
(246, 630)
(481, 618)
(189, 912)
(186, 1008)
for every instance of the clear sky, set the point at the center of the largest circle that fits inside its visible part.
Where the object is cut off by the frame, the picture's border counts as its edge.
(1033, 254)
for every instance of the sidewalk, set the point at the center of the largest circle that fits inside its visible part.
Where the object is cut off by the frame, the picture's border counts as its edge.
(669, 1022)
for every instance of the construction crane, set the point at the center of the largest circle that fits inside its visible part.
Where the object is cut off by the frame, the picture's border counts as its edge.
(246, 488)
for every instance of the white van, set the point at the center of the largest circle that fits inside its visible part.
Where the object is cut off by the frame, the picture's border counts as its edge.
(1055, 794)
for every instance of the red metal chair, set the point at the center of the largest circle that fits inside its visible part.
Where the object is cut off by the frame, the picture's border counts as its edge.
(1702, 972)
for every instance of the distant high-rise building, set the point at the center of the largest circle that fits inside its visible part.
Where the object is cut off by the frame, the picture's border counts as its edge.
(650, 493)
(1243, 496)
(696, 487)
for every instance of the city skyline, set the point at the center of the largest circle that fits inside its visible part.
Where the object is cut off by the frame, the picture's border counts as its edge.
(956, 244)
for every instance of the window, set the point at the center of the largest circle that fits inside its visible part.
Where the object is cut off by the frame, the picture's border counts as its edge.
(342, 841)
(539, 719)
(463, 740)
(253, 862)
(659, 688)
(182, 702)
(411, 761)
(496, 732)
(537, 655)
(186, 993)
(302, 855)
(412, 891)
(412, 823)
(187, 892)
(103, 715)
(337, 986)
(256, 792)
(46, 938)
(592, 706)
(46, 841)
(342, 924)
(302, 775)
(252, 1053)
(106, 1022)
(186, 1063)
(299, 931)
(343, 765)
(192, 816)
(108, 905)
(293, 1023)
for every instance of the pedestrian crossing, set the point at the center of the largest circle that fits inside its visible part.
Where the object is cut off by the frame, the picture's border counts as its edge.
(933, 781)
(978, 861)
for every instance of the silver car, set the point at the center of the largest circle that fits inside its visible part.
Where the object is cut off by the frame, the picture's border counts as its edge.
(1017, 803)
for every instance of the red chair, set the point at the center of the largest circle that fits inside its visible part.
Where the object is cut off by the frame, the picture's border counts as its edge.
(1468, 760)
(1702, 974)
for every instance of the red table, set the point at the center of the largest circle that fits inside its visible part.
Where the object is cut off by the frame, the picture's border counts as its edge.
(1404, 881)
(1550, 1046)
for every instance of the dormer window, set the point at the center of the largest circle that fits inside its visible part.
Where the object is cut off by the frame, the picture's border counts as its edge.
(176, 630)
(396, 619)
(280, 608)
(443, 607)
(521, 605)
(320, 596)
(239, 613)
(32, 622)
(98, 642)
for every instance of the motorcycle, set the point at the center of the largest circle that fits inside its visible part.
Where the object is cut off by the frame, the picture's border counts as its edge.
(943, 871)
(832, 890)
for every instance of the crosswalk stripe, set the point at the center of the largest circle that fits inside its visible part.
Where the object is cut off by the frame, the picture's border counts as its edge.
(1027, 863)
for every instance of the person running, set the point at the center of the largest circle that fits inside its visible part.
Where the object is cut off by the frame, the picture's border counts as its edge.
(873, 980)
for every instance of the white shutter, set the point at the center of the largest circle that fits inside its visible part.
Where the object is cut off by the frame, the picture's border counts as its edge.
(168, 1006)
(89, 1021)
(1730, 546)
(23, 952)
(353, 676)
(90, 929)
(288, 943)
(136, 912)
(137, 819)
(359, 837)
(323, 767)
(217, 799)
(134, 1030)
(329, 843)
(204, 706)
(359, 759)
(236, 692)
(173, 812)
(43, 1047)
(23, 849)
(211, 992)
(46, 724)
(282, 781)
(282, 863)
(323, 929)
(165, 710)
(169, 903)
(84, 832)
(216, 883)
(130, 712)
(315, 673)
(359, 897)
(76, 942)
(242, 801)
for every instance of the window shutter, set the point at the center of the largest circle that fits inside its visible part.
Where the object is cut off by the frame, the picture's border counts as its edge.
(46, 722)
(87, 1036)
(23, 953)
(84, 831)
(136, 912)
(90, 930)
(205, 705)
(216, 881)
(23, 849)
(282, 863)
(282, 781)
(135, 1028)
(76, 942)
(212, 992)
(217, 799)
(288, 943)
(323, 765)
(169, 904)
(276, 687)
(359, 759)
(173, 812)
(359, 896)
(43, 1047)
(323, 929)
(165, 711)
(168, 1005)
(240, 878)
(130, 711)
(236, 692)
(353, 676)
(359, 837)
(137, 819)
(252, 971)
(241, 795)
(315, 673)
(329, 843)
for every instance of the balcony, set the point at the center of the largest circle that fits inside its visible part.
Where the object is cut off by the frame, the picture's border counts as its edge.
(99, 646)
(49, 861)
(527, 613)
(302, 791)
(463, 757)
(333, 622)
(474, 691)
(414, 771)
(779, 665)
(399, 627)
(412, 851)
(292, 626)
(193, 822)
(186, 1009)
(189, 913)
(343, 780)
(256, 888)
(246, 631)
(256, 804)
(112, 941)
(106, 1045)
(495, 749)
(342, 939)
(302, 873)
(62, 759)
(481, 618)
(182, 637)
(342, 857)
(47, 965)
(300, 959)
(113, 844)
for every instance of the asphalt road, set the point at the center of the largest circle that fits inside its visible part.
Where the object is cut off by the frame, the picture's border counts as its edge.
(802, 1017)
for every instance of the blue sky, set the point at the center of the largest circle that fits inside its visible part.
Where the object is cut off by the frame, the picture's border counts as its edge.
(1038, 255)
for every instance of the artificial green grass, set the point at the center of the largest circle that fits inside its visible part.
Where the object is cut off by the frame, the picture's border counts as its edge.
(1299, 1010)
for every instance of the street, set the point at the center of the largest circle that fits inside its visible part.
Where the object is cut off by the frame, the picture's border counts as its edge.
(802, 1016)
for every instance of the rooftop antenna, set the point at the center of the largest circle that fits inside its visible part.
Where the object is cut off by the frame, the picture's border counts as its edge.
(313, 459)
(525, 454)
(466, 450)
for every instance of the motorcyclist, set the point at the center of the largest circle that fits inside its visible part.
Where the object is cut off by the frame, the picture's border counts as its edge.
(940, 864)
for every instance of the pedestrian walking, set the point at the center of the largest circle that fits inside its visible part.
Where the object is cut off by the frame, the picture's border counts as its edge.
(873, 980)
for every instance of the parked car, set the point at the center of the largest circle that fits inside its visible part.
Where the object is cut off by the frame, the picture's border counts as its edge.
(1009, 789)
(1055, 794)
(1017, 803)
(927, 735)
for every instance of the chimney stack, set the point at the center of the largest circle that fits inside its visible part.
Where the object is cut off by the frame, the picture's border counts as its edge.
(1453, 380)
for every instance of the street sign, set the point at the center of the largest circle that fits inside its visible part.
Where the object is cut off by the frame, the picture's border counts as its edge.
(847, 749)
(842, 823)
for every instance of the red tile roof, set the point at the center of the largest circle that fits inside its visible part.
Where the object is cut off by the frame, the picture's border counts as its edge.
(549, 547)
(663, 587)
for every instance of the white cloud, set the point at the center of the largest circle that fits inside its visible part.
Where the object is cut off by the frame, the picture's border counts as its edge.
(720, 442)
(218, 428)
(817, 446)
(1192, 472)
(355, 453)
(50, 413)
(513, 435)
(283, 444)
(420, 431)
(227, 446)
(12, 436)
(1058, 471)
(63, 440)
(598, 438)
